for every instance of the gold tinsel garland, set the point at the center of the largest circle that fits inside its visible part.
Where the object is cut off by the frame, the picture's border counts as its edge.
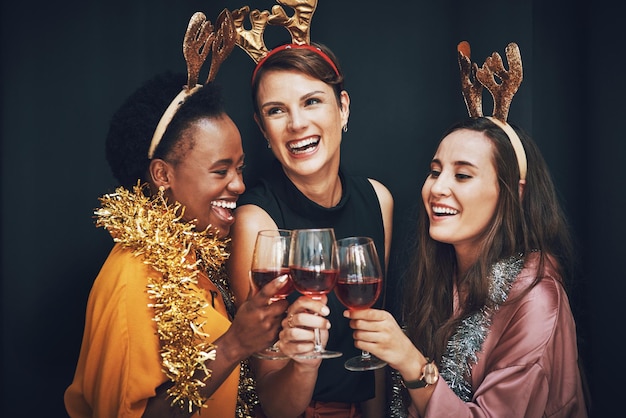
(155, 231)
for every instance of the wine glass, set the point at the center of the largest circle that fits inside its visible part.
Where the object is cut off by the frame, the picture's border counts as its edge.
(358, 287)
(270, 259)
(313, 269)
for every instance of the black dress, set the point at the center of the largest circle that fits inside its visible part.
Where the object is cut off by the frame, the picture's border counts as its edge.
(357, 214)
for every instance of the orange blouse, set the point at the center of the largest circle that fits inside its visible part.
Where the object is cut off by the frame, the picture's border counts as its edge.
(119, 366)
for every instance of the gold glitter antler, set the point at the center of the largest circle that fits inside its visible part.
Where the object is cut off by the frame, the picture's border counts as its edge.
(201, 38)
(223, 43)
(503, 92)
(196, 46)
(299, 25)
(472, 89)
(251, 40)
(473, 79)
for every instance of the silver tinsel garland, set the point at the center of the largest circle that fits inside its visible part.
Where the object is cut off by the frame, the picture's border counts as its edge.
(467, 341)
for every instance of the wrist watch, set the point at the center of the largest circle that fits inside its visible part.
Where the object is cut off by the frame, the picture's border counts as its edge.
(430, 375)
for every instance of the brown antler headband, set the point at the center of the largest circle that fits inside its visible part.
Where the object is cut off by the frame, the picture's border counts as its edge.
(299, 26)
(473, 79)
(200, 39)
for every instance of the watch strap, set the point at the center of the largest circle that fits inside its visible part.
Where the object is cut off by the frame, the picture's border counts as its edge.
(430, 376)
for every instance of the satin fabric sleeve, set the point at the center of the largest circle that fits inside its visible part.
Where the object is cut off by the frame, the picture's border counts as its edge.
(528, 366)
(512, 392)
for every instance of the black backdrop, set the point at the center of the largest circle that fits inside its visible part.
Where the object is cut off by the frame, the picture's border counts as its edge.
(66, 66)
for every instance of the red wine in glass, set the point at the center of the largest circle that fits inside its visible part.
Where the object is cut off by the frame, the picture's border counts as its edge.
(358, 294)
(270, 260)
(313, 283)
(313, 269)
(358, 287)
(261, 277)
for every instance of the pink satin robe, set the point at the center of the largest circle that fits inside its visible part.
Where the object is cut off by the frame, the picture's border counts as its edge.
(528, 365)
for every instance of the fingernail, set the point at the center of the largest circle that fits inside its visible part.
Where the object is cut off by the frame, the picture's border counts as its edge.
(325, 310)
(283, 278)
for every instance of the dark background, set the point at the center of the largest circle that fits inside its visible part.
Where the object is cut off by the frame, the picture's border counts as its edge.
(66, 66)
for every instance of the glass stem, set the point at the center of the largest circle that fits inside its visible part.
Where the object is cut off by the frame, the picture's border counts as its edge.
(365, 355)
(317, 348)
(318, 341)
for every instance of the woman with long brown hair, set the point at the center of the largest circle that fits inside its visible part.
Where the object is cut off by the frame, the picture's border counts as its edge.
(487, 326)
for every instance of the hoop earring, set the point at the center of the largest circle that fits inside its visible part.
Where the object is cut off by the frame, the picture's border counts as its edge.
(345, 128)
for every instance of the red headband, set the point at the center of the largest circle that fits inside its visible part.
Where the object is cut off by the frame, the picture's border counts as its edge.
(315, 49)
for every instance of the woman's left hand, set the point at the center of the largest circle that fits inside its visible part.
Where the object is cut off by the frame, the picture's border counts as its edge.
(297, 335)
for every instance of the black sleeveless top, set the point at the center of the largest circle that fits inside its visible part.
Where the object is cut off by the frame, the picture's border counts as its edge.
(357, 214)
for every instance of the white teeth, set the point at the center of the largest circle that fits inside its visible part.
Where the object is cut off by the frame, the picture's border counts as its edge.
(224, 204)
(303, 143)
(444, 211)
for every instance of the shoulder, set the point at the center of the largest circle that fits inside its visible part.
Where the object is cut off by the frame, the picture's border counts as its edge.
(544, 287)
(120, 265)
(384, 195)
(123, 277)
(250, 217)
(367, 185)
(385, 200)
(535, 310)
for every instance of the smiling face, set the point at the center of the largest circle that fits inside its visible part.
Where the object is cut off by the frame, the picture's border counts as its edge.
(208, 178)
(302, 120)
(461, 192)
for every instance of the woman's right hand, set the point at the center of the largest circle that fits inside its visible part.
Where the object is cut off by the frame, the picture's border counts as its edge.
(258, 320)
(303, 316)
(377, 331)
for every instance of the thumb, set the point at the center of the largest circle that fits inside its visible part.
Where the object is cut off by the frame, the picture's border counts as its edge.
(274, 286)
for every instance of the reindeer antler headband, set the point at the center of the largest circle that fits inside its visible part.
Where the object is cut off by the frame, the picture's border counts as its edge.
(299, 26)
(473, 79)
(200, 39)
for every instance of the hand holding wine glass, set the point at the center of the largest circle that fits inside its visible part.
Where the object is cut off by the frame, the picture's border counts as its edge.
(270, 260)
(358, 287)
(313, 269)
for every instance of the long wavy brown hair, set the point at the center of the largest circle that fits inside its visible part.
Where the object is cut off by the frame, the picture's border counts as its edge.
(533, 223)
